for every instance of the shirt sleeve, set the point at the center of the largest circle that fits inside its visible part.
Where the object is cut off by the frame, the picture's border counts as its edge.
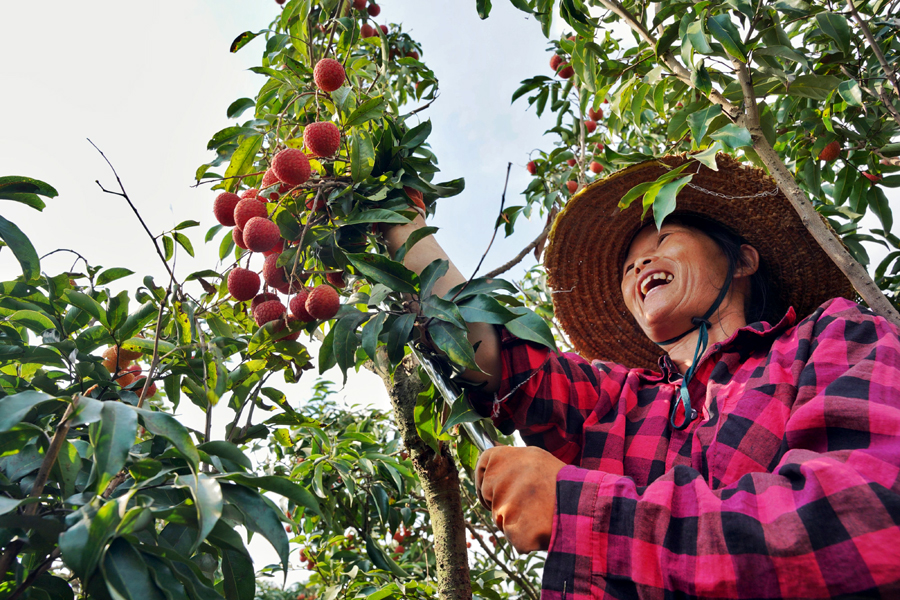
(825, 522)
(547, 396)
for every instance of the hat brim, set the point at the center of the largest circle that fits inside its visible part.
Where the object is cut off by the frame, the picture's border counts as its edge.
(591, 236)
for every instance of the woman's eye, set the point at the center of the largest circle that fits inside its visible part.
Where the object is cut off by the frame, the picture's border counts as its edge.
(662, 237)
(628, 268)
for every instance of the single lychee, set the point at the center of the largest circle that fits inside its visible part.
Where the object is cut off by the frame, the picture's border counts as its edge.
(412, 54)
(374, 10)
(532, 167)
(138, 387)
(130, 355)
(238, 236)
(316, 202)
(323, 302)
(260, 298)
(273, 274)
(223, 208)
(290, 165)
(366, 31)
(287, 335)
(261, 234)
(126, 376)
(600, 147)
(596, 167)
(566, 72)
(572, 186)
(590, 126)
(555, 61)
(322, 138)
(298, 305)
(243, 284)
(359, 4)
(384, 29)
(278, 248)
(111, 357)
(269, 180)
(571, 162)
(595, 115)
(268, 311)
(336, 278)
(830, 152)
(247, 209)
(415, 196)
(251, 193)
(329, 75)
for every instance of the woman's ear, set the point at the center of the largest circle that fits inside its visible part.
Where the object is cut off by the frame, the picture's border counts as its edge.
(749, 262)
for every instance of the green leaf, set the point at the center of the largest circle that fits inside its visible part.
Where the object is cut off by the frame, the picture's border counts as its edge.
(168, 427)
(670, 34)
(207, 494)
(479, 285)
(529, 326)
(237, 108)
(415, 136)
(187, 224)
(436, 307)
(82, 544)
(126, 574)
(239, 578)
(700, 120)
(271, 483)
(664, 203)
(460, 412)
(483, 308)
(228, 451)
(362, 155)
(721, 28)
(414, 238)
(326, 352)
(881, 207)
(453, 342)
(115, 437)
(33, 320)
(259, 517)
(345, 341)
(376, 215)
(32, 200)
(398, 336)
(381, 560)
(816, 87)
(836, 27)
(785, 52)
(243, 39)
(184, 242)
(368, 110)
(381, 269)
(483, 7)
(430, 275)
(370, 334)
(242, 160)
(850, 92)
(697, 36)
(88, 305)
(733, 136)
(21, 247)
(12, 186)
(110, 275)
(14, 408)
(708, 156)
(168, 248)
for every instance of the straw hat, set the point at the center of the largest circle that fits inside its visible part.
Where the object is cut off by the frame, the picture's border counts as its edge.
(591, 236)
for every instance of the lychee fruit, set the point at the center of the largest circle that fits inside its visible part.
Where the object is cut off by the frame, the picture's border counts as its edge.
(110, 356)
(329, 75)
(290, 165)
(261, 234)
(366, 31)
(278, 248)
(600, 147)
(287, 335)
(571, 162)
(223, 208)
(566, 72)
(572, 186)
(595, 115)
(532, 167)
(268, 311)
(126, 376)
(298, 305)
(596, 167)
(415, 196)
(830, 152)
(247, 209)
(872, 176)
(238, 236)
(374, 10)
(359, 4)
(316, 203)
(138, 387)
(590, 126)
(273, 274)
(251, 193)
(323, 302)
(243, 284)
(384, 29)
(336, 279)
(555, 61)
(260, 298)
(412, 54)
(269, 180)
(322, 138)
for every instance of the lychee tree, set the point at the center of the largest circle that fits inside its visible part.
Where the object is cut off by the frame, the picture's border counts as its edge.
(807, 90)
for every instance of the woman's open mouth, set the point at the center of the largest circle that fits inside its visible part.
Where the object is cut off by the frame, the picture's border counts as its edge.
(655, 280)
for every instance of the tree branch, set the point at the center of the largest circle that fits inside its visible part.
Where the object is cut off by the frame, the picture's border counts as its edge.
(888, 72)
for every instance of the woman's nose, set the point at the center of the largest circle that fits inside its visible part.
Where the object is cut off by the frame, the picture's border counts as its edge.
(641, 265)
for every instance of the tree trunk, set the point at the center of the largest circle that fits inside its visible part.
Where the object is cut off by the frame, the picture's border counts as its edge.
(439, 477)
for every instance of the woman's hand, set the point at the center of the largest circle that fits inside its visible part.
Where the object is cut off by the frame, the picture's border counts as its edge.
(518, 486)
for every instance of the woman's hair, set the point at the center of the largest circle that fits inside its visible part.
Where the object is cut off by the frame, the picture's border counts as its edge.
(763, 304)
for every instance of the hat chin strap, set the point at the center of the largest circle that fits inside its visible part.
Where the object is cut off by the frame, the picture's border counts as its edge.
(703, 324)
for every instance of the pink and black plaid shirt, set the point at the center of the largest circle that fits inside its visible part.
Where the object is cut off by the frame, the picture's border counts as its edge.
(786, 486)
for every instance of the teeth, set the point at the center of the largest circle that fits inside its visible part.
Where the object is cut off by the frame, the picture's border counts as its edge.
(667, 277)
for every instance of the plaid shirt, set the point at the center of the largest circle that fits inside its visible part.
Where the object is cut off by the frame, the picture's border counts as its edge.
(786, 486)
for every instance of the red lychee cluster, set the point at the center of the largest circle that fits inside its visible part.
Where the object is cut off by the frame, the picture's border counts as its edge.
(117, 360)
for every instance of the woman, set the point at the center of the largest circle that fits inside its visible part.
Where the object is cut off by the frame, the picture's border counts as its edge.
(696, 454)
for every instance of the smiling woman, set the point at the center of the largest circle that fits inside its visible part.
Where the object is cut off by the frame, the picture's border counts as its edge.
(721, 431)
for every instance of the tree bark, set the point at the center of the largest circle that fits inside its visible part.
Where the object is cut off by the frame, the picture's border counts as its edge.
(439, 477)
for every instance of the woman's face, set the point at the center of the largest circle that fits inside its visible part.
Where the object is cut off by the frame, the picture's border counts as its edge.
(670, 276)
